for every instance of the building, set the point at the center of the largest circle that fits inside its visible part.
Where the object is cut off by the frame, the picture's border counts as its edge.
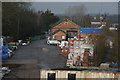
(77, 74)
(98, 21)
(90, 31)
(64, 29)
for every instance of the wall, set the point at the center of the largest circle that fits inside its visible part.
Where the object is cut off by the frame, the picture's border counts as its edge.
(60, 74)
(65, 30)
(59, 35)
(65, 26)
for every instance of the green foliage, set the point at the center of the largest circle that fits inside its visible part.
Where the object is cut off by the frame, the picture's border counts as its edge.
(20, 21)
(45, 19)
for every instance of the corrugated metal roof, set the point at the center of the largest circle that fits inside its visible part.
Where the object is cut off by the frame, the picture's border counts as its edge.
(90, 31)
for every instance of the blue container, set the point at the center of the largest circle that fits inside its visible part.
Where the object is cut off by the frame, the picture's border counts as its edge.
(4, 49)
(5, 56)
(90, 31)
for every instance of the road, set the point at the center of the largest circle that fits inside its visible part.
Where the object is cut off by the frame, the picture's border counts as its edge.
(37, 55)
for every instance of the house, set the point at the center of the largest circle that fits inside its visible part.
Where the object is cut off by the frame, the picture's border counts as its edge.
(98, 21)
(64, 29)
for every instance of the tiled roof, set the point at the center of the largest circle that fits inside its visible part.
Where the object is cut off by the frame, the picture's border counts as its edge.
(61, 20)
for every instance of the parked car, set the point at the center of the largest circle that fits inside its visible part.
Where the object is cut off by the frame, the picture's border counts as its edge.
(26, 42)
(54, 42)
(12, 46)
(10, 52)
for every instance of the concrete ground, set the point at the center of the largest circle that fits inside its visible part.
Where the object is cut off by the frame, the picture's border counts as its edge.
(33, 57)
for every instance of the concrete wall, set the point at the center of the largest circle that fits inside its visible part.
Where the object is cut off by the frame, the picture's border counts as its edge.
(60, 74)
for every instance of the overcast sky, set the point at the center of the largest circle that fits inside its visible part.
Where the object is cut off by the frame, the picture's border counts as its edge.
(92, 7)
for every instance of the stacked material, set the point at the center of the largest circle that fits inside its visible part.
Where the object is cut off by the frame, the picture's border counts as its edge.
(79, 53)
(65, 51)
(64, 48)
(5, 54)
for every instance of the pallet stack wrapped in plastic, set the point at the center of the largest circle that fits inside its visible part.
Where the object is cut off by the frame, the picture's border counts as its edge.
(5, 54)
(70, 60)
(78, 54)
(65, 50)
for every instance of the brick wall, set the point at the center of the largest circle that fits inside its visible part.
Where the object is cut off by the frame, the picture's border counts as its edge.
(64, 26)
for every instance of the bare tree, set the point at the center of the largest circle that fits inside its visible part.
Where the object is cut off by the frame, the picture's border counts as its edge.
(76, 13)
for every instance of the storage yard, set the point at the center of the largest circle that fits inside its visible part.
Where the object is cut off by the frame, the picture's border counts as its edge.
(43, 45)
(33, 57)
(27, 59)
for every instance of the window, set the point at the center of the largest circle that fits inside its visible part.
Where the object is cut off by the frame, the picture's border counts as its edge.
(71, 76)
(63, 37)
(51, 76)
(71, 34)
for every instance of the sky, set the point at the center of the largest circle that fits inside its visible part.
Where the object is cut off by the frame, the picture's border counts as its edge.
(60, 0)
(92, 7)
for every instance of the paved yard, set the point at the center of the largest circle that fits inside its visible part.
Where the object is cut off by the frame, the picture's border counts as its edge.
(37, 55)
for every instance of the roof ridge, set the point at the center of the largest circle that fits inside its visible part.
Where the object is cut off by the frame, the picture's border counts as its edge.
(63, 19)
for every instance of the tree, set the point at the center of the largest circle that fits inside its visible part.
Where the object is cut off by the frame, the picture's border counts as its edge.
(103, 51)
(18, 20)
(45, 19)
(76, 13)
(21, 22)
